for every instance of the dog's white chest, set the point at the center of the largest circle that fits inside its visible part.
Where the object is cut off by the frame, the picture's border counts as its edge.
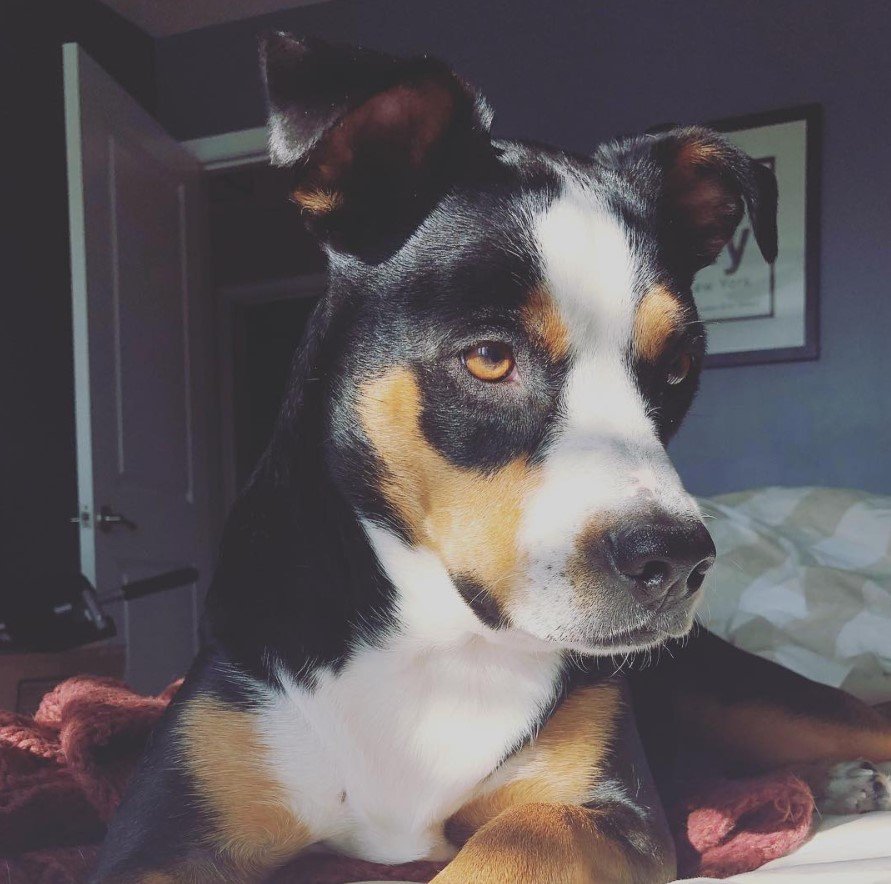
(377, 757)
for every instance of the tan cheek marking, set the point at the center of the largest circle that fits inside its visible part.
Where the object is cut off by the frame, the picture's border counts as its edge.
(469, 518)
(544, 323)
(659, 316)
(566, 756)
(224, 754)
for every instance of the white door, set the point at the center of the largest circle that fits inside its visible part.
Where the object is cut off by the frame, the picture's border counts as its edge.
(137, 215)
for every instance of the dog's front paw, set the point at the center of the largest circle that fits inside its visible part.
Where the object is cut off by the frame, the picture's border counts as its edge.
(855, 787)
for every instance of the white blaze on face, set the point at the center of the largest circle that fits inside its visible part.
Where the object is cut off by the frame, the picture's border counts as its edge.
(606, 452)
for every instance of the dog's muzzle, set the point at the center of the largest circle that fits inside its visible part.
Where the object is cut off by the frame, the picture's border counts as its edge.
(657, 560)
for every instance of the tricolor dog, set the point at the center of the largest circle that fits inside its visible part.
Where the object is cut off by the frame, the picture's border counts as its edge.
(466, 516)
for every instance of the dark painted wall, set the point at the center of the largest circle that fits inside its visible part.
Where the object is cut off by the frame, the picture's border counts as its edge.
(37, 454)
(577, 72)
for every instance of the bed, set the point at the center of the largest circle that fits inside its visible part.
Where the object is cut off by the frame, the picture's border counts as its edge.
(804, 578)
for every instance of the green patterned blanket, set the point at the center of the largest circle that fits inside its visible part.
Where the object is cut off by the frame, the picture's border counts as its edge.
(804, 578)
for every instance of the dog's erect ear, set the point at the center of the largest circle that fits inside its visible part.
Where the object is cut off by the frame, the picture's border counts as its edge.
(707, 184)
(373, 139)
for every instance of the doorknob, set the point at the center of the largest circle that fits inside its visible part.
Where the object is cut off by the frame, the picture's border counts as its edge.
(108, 519)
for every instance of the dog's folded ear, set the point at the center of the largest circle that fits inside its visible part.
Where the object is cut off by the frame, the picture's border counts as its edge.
(373, 140)
(707, 184)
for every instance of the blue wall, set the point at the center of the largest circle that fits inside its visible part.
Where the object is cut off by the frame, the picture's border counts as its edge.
(576, 72)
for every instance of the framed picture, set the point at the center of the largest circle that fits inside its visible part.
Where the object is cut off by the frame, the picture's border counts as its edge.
(755, 312)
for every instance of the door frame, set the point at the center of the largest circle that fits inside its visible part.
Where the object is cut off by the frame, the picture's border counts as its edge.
(241, 147)
(229, 299)
(83, 431)
(229, 150)
(103, 124)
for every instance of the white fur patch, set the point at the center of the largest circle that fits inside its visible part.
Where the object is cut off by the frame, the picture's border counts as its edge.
(409, 730)
(606, 454)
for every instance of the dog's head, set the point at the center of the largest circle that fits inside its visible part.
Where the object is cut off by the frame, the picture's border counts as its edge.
(510, 341)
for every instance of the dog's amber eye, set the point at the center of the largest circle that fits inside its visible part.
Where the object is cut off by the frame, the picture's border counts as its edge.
(680, 368)
(489, 361)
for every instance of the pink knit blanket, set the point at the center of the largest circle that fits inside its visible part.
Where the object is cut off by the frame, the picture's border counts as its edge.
(63, 772)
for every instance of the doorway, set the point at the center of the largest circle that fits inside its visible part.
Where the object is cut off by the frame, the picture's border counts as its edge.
(268, 275)
(191, 286)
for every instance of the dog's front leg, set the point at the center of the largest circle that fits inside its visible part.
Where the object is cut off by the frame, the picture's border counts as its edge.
(557, 844)
(576, 806)
(203, 807)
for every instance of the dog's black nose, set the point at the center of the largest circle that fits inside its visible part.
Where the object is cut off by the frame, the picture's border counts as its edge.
(661, 555)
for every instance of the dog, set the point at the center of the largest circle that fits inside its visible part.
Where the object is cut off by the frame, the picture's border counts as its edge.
(466, 515)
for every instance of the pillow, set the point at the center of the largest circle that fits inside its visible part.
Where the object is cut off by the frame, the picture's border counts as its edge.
(803, 578)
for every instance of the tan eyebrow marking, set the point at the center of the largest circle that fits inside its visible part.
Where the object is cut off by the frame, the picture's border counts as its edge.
(544, 323)
(660, 315)
(318, 202)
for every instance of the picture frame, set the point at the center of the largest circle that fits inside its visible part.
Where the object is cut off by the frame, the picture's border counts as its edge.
(754, 312)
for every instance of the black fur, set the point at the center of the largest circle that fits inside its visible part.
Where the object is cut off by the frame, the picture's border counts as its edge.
(392, 171)
(297, 583)
(315, 586)
(480, 602)
(429, 253)
(162, 816)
